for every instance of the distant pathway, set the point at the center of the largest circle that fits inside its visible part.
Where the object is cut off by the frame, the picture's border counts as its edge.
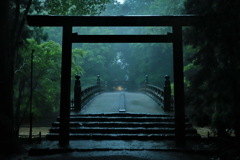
(115, 102)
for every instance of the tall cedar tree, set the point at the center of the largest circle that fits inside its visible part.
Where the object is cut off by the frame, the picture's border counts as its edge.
(214, 92)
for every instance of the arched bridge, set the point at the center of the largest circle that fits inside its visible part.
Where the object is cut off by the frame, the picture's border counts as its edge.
(122, 102)
(100, 112)
(122, 96)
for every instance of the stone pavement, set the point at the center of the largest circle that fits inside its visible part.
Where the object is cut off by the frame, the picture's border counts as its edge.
(119, 155)
(117, 149)
(114, 149)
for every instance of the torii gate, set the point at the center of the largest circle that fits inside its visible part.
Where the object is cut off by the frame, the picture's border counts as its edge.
(67, 22)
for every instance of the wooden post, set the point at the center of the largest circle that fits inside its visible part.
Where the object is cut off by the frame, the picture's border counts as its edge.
(178, 85)
(99, 83)
(40, 137)
(31, 99)
(167, 94)
(98, 80)
(106, 85)
(146, 80)
(146, 83)
(65, 86)
(77, 94)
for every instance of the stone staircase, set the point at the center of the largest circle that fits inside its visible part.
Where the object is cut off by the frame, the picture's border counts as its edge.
(121, 126)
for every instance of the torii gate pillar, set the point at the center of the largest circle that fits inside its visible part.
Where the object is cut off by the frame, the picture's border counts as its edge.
(65, 86)
(179, 85)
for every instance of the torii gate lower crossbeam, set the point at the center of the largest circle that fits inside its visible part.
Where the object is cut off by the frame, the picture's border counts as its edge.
(67, 22)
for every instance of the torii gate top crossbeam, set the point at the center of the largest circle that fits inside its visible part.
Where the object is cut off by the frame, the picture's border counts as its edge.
(117, 21)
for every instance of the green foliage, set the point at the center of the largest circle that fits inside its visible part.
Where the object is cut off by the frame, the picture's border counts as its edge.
(167, 7)
(153, 60)
(46, 76)
(143, 7)
(75, 7)
(99, 59)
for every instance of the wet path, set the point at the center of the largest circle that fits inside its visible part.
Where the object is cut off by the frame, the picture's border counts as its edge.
(115, 102)
(117, 150)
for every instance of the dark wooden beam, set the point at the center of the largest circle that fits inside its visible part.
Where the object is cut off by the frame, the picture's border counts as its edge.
(122, 38)
(178, 85)
(42, 20)
(65, 86)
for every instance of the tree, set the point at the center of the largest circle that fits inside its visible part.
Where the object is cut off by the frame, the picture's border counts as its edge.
(75, 7)
(98, 59)
(214, 76)
(46, 79)
(167, 7)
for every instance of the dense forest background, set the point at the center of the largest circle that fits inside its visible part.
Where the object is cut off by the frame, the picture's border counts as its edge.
(211, 58)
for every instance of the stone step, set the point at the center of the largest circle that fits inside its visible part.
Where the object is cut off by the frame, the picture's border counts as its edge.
(123, 117)
(121, 124)
(138, 130)
(97, 136)
(120, 119)
(120, 115)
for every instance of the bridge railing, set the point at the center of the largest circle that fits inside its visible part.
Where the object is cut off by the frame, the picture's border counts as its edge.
(82, 97)
(162, 96)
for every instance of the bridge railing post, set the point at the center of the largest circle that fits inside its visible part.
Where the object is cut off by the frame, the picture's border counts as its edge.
(146, 80)
(99, 83)
(77, 94)
(146, 83)
(167, 94)
(105, 85)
